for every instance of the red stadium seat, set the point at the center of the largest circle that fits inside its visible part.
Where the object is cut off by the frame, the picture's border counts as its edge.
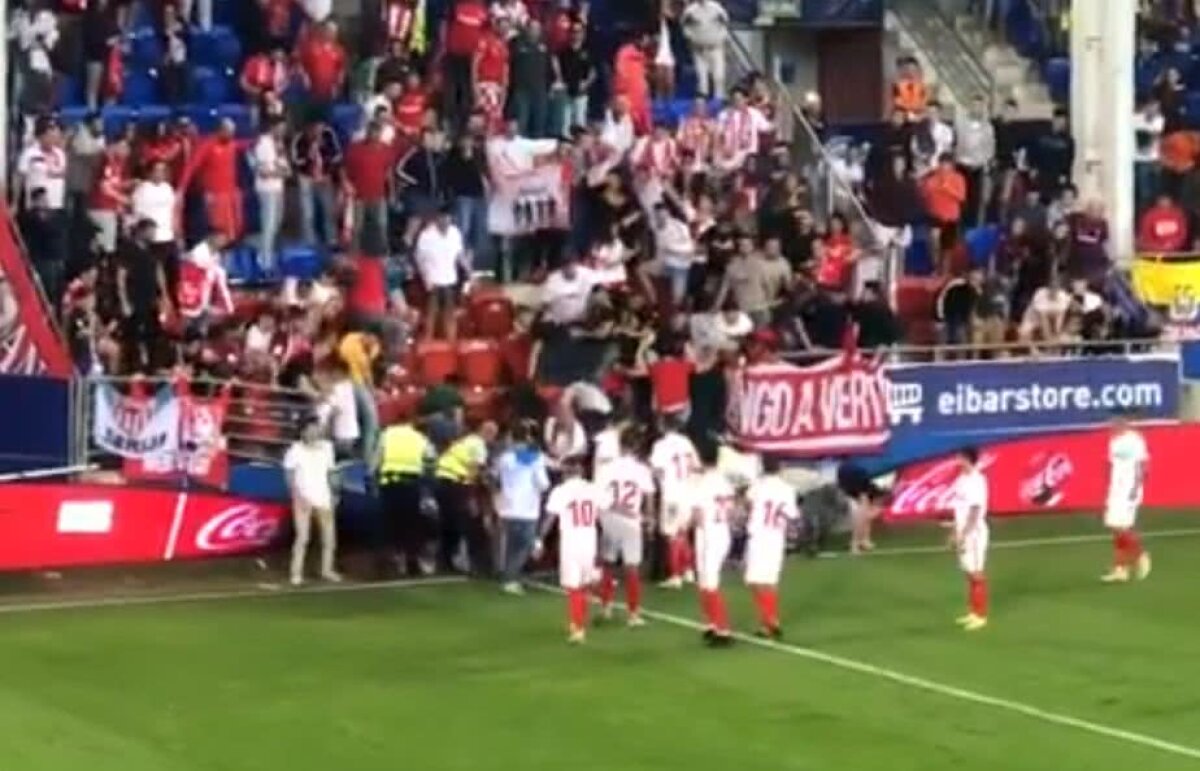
(516, 351)
(492, 313)
(480, 403)
(399, 404)
(436, 361)
(916, 297)
(466, 323)
(551, 394)
(480, 363)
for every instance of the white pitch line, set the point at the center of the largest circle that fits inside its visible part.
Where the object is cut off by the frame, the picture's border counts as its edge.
(930, 686)
(262, 590)
(1027, 543)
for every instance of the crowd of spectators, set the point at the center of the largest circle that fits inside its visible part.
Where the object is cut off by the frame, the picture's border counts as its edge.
(171, 243)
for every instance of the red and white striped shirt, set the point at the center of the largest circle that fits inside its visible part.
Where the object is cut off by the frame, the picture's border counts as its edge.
(658, 157)
(739, 129)
(695, 136)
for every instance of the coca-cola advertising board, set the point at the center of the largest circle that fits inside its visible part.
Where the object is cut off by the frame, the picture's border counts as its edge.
(45, 526)
(1064, 473)
(836, 407)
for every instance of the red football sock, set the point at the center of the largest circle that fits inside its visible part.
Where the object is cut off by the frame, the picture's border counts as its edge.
(720, 615)
(1133, 546)
(675, 557)
(1118, 549)
(608, 585)
(979, 596)
(633, 590)
(577, 603)
(689, 554)
(768, 606)
(706, 607)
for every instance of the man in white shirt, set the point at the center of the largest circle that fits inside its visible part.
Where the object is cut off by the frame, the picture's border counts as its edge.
(970, 536)
(43, 165)
(523, 480)
(676, 250)
(338, 409)
(154, 199)
(771, 503)
(675, 461)
(309, 465)
(1128, 458)
(628, 488)
(975, 154)
(618, 132)
(511, 154)
(1148, 127)
(1045, 319)
(269, 160)
(575, 506)
(566, 293)
(440, 253)
(706, 26)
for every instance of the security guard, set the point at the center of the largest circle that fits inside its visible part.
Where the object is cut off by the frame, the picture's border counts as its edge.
(404, 460)
(457, 477)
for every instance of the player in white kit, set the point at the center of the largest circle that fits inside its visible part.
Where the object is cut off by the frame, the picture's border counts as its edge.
(575, 504)
(772, 508)
(1128, 458)
(628, 488)
(712, 506)
(970, 537)
(674, 461)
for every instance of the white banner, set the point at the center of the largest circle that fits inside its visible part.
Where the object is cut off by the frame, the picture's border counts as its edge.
(526, 202)
(135, 427)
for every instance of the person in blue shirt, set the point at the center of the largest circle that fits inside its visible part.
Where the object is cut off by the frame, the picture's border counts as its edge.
(523, 479)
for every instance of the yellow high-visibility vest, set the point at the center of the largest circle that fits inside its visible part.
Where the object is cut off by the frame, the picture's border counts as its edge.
(404, 451)
(459, 462)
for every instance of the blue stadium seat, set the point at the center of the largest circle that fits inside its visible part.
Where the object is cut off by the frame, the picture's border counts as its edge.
(202, 116)
(72, 116)
(141, 87)
(152, 114)
(981, 244)
(918, 260)
(210, 86)
(241, 265)
(70, 91)
(1191, 108)
(145, 49)
(116, 117)
(1057, 73)
(241, 117)
(300, 262)
(346, 118)
(218, 48)
(225, 12)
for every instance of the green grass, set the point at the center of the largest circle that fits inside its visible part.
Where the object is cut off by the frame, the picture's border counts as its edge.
(459, 677)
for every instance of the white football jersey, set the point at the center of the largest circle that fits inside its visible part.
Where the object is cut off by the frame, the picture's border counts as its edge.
(1127, 457)
(607, 449)
(712, 500)
(772, 504)
(970, 493)
(576, 503)
(625, 483)
(674, 460)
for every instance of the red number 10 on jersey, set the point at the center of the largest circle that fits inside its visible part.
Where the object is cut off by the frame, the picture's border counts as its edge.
(583, 513)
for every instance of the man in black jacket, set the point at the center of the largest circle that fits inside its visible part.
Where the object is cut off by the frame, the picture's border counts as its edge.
(46, 239)
(1052, 157)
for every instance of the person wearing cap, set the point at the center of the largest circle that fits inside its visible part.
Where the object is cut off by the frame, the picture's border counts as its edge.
(440, 254)
(309, 466)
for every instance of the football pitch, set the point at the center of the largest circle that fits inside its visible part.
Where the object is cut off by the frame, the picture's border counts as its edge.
(873, 673)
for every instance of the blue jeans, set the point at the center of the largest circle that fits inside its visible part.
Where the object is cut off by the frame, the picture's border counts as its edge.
(270, 215)
(531, 112)
(519, 535)
(471, 215)
(677, 276)
(368, 420)
(316, 195)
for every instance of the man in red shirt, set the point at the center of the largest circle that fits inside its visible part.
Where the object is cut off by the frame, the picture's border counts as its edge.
(110, 195)
(631, 80)
(369, 164)
(265, 74)
(461, 36)
(323, 61)
(409, 107)
(215, 164)
(1163, 228)
(490, 71)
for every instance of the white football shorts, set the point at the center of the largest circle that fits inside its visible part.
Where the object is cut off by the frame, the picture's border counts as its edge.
(711, 552)
(764, 561)
(972, 555)
(620, 539)
(577, 568)
(1120, 514)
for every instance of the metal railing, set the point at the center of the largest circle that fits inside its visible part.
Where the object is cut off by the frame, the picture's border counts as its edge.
(966, 353)
(261, 421)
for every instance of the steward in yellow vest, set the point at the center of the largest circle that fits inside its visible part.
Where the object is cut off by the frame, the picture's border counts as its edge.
(404, 461)
(458, 472)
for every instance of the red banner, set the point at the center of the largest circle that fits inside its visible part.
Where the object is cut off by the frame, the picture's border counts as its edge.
(1053, 474)
(29, 342)
(837, 407)
(46, 526)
